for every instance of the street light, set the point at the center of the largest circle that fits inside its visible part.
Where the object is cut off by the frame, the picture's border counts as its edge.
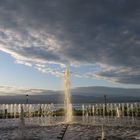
(105, 104)
(27, 98)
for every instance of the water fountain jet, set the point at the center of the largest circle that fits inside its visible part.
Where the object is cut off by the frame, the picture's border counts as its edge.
(67, 98)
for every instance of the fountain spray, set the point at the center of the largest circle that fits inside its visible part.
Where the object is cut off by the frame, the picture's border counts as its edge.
(103, 133)
(22, 125)
(67, 98)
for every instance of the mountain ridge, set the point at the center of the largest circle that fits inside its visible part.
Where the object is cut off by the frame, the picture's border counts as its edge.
(79, 95)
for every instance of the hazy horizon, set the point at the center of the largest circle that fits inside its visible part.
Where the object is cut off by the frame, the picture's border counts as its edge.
(93, 94)
(8, 90)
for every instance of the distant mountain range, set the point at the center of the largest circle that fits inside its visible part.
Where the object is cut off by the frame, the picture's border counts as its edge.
(79, 95)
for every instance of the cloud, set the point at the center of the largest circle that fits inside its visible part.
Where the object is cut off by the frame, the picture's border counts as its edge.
(75, 32)
(11, 90)
(122, 75)
(119, 74)
(6, 90)
(24, 63)
(48, 69)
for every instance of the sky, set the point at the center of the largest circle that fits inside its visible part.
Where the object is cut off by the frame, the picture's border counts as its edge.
(99, 40)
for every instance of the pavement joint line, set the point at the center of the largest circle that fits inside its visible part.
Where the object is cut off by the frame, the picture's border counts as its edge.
(62, 134)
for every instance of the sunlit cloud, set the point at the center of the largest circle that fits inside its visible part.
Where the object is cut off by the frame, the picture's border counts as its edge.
(12, 90)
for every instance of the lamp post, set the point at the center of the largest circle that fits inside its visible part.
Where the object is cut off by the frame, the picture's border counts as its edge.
(105, 104)
(27, 98)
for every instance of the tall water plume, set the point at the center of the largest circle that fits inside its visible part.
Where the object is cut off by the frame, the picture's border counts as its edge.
(67, 98)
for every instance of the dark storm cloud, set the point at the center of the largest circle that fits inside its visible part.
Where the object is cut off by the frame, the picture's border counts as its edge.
(106, 32)
(122, 75)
